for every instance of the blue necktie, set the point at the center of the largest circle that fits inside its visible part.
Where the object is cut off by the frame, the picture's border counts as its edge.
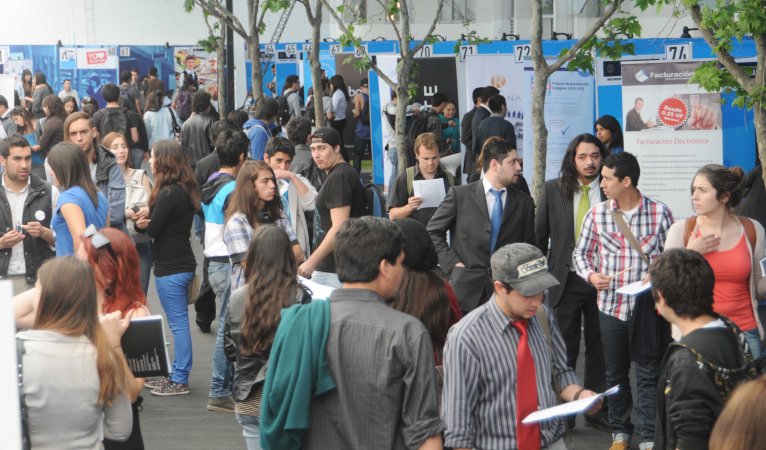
(496, 218)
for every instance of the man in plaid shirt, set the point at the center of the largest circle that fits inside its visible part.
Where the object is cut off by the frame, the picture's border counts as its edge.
(605, 258)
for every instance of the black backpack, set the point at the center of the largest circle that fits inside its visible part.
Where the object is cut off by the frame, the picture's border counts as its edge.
(183, 104)
(364, 117)
(283, 111)
(113, 120)
(374, 201)
(309, 111)
(725, 379)
(418, 126)
(124, 93)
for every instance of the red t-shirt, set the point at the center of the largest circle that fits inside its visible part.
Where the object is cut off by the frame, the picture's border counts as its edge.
(731, 294)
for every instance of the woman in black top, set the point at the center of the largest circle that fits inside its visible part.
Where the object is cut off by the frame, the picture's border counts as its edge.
(42, 89)
(173, 201)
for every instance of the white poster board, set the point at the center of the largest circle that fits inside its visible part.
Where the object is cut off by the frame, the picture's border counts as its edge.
(10, 425)
(673, 127)
(7, 86)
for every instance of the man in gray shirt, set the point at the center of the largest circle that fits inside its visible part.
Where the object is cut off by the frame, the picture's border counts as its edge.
(381, 359)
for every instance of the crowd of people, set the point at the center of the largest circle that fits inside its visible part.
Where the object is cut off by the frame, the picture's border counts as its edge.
(455, 321)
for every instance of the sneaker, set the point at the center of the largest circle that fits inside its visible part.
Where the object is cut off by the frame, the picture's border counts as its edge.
(616, 445)
(220, 404)
(204, 327)
(171, 388)
(155, 382)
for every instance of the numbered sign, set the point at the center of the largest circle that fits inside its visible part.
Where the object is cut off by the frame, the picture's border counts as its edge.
(270, 48)
(307, 47)
(678, 52)
(125, 51)
(466, 50)
(359, 53)
(521, 52)
(425, 51)
(291, 49)
(335, 49)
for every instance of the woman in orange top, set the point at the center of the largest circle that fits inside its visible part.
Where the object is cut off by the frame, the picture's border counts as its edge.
(721, 237)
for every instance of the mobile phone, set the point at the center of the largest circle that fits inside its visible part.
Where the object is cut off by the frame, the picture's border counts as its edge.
(136, 208)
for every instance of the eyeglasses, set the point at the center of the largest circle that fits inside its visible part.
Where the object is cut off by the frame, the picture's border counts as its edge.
(98, 240)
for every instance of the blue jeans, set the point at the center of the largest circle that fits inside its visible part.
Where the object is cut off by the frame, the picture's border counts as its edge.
(251, 430)
(144, 250)
(219, 277)
(326, 279)
(172, 292)
(136, 157)
(615, 339)
(754, 342)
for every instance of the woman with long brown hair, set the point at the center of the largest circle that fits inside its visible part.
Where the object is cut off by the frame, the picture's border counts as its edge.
(53, 128)
(74, 378)
(740, 425)
(174, 199)
(42, 89)
(29, 128)
(253, 203)
(137, 188)
(80, 202)
(24, 88)
(254, 313)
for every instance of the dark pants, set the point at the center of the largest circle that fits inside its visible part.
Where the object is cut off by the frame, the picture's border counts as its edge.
(578, 300)
(205, 304)
(358, 152)
(615, 338)
(339, 126)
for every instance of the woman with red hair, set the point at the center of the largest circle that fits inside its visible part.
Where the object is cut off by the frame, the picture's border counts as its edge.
(114, 260)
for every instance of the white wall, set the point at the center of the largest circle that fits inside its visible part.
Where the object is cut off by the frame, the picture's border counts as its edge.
(153, 22)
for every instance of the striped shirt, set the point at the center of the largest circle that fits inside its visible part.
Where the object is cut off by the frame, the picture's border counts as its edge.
(479, 396)
(603, 248)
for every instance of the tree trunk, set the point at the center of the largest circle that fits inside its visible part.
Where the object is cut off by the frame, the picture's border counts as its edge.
(316, 68)
(402, 99)
(221, 70)
(760, 137)
(539, 132)
(253, 49)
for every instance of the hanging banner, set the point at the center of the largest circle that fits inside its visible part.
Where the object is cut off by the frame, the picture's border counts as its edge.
(569, 111)
(95, 68)
(382, 132)
(96, 58)
(506, 73)
(202, 62)
(436, 75)
(673, 127)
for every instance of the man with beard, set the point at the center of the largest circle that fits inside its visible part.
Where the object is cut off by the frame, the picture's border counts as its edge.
(25, 216)
(481, 217)
(561, 208)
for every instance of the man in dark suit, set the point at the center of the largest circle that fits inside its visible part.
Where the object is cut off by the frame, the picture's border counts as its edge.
(466, 133)
(633, 120)
(561, 209)
(496, 125)
(479, 115)
(189, 72)
(481, 217)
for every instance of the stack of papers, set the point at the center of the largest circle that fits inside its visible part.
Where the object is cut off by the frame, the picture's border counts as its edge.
(569, 408)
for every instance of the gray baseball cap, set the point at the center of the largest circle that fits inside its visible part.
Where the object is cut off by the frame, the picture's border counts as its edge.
(524, 267)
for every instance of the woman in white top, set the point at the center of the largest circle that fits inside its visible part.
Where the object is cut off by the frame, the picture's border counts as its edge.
(158, 118)
(74, 376)
(339, 105)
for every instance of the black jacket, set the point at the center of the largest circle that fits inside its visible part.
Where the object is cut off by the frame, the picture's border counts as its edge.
(248, 370)
(688, 403)
(36, 250)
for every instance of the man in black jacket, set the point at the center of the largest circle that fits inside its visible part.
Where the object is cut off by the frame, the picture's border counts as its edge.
(688, 400)
(466, 132)
(25, 216)
(481, 113)
(495, 125)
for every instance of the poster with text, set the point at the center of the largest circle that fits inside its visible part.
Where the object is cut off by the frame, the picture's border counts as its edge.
(436, 75)
(569, 111)
(201, 61)
(507, 75)
(673, 127)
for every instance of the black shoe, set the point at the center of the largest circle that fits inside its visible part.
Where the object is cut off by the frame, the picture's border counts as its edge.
(203, 326)
(598, 422)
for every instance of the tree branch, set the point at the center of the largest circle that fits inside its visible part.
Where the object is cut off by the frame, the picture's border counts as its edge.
(610, 9)
(431, 29)
(536, 38)
(393, 24)
(724, 57)
(218, 11)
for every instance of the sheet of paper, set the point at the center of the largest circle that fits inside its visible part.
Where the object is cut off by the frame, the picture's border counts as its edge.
(634, 288)
(431, 191)
(568, 408)
(318, 291)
